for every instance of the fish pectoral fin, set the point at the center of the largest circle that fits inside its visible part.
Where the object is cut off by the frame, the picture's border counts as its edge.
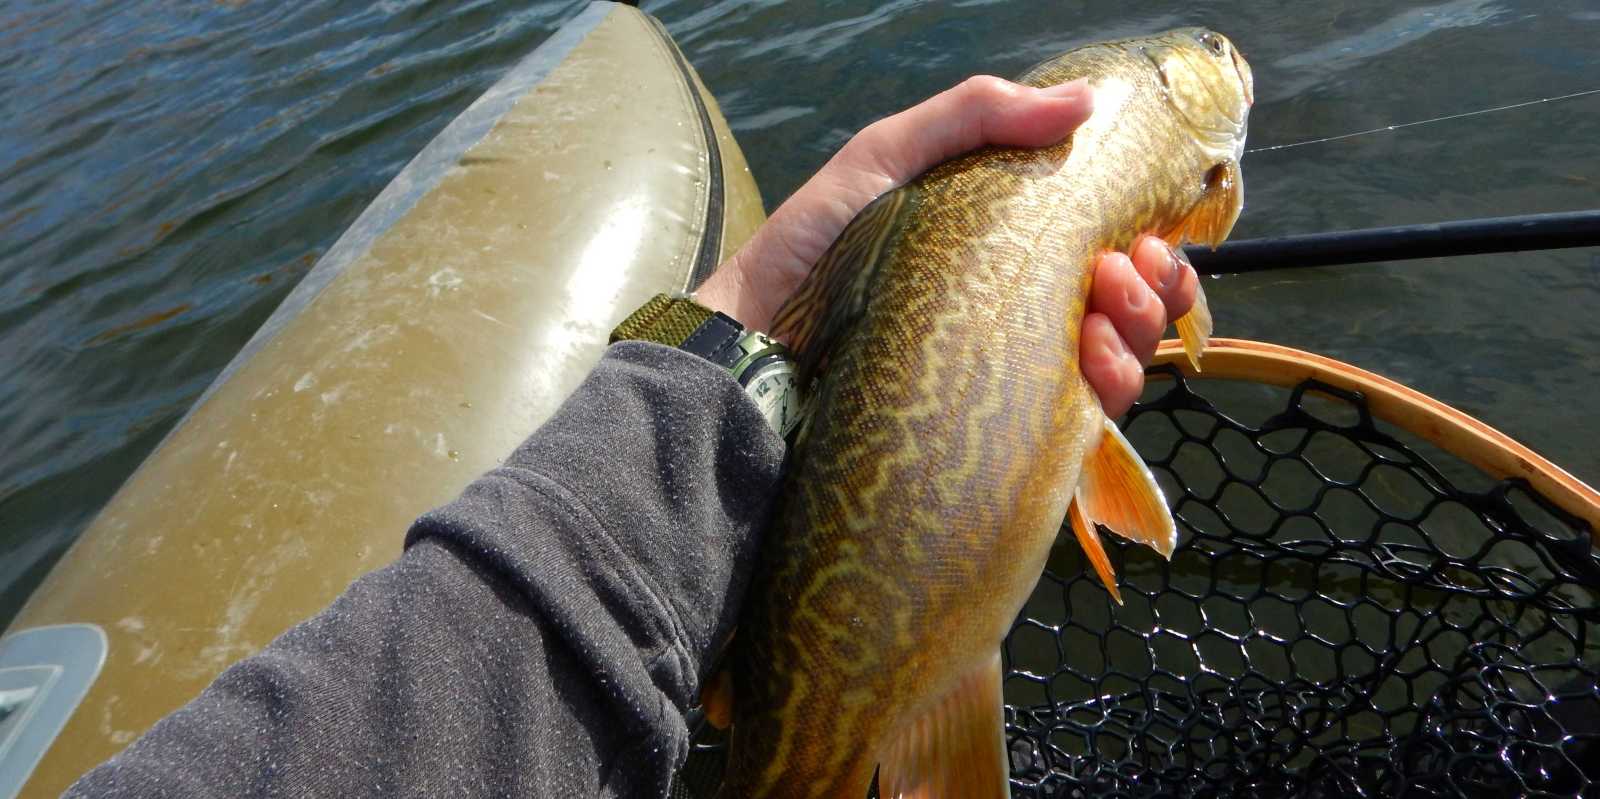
(1117, 490)
(1209, 223)
(1212, 218)
(834, 295)
(954, 750)
(1194, 328)
(1093, 549)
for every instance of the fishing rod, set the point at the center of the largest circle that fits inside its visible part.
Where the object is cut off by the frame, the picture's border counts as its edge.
(1463, 237)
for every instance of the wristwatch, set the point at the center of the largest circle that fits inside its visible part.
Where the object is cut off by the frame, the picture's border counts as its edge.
(763, 366)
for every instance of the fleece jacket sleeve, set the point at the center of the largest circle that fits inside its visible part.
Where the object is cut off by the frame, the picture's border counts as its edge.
(542, 635)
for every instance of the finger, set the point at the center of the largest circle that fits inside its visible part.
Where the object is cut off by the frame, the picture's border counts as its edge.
(1134, 310)
(1167, 271)
(1112, 371)
(888, 153)
(979, 111)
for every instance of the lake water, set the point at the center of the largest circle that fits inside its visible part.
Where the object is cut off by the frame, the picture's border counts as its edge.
(169, 170)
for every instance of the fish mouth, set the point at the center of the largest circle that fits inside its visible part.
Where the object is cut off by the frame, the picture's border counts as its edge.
(1247, 82)
(1246, 78)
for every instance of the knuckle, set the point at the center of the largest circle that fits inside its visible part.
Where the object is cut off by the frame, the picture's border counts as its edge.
(865, 150)
(865, 136)
(985, 88)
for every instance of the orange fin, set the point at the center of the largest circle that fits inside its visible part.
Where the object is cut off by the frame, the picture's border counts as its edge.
(1209, 223)
(1118, 491)
(716, 694)
(1212, 218)
(1194, 328)
(716, 699)
(1089, 539)
(954, 750)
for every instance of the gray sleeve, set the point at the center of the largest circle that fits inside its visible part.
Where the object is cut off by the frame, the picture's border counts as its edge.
(543, 635)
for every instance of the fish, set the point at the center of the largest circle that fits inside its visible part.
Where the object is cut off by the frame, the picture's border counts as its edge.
(951, 431)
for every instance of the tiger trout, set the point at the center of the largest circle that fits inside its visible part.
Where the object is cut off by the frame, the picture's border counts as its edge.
(952, 431)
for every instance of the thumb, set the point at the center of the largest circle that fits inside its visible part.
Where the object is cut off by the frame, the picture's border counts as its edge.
(978, 112)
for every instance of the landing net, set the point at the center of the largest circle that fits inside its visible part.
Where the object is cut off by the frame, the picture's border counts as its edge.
(1349, 612)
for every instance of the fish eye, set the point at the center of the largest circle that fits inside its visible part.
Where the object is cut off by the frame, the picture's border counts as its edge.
(1213, 42)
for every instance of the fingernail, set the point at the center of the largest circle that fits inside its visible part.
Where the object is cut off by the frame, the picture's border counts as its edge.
(1073, 88)
(1174, 271)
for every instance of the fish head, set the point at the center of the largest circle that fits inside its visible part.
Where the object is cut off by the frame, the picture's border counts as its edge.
(1209, 87)
(1209, 84)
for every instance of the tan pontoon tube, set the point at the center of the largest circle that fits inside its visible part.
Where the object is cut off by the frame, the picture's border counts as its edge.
(450, 320)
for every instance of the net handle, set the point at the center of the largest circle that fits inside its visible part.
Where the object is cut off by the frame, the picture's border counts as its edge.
(1445, 427)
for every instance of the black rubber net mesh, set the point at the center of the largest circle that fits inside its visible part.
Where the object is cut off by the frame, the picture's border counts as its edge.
(1350, 612)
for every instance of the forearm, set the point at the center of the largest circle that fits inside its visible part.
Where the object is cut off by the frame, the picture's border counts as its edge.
(542, 635)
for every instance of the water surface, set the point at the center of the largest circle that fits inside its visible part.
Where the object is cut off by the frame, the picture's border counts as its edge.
(168, 171)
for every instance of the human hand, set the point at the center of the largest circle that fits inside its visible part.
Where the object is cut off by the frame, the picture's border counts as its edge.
(1130, 305)
(1131, 300)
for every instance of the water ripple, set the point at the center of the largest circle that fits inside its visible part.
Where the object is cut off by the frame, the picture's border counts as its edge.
(169, 170)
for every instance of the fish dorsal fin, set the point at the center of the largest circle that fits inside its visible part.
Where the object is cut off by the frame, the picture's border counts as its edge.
(1117, 490)
(834, 295)
(954, 750)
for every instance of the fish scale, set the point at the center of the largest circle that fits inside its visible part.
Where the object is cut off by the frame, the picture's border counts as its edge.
(950, 427)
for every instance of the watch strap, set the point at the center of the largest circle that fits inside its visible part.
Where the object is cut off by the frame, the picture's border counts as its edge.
(665, 319)
(717, 341)
(763, 366)
(678, 321)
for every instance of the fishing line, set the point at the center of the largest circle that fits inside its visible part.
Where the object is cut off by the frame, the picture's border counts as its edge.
(1447, 118)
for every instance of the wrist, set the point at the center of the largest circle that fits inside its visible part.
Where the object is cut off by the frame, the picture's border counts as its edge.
(727, 291)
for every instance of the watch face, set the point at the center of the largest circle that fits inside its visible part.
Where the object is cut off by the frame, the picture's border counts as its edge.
(772, 386)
